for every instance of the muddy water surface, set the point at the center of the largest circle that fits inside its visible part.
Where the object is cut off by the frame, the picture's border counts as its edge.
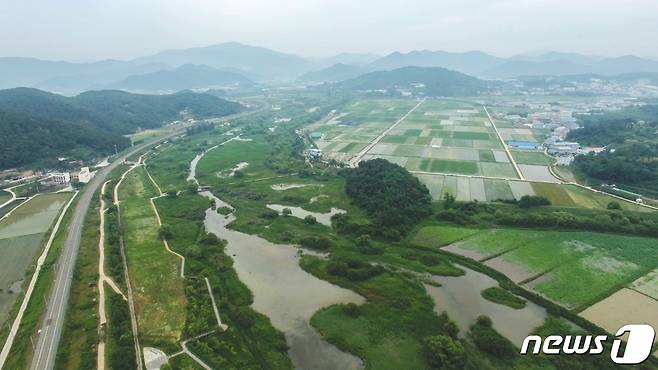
(462, 300)
(284, 292)
(323, 218)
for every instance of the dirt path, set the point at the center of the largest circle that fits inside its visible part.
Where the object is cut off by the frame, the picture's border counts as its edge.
(131, 301)
(157, 216)
(13, 197)
(500, 137)
(28, 293)
(102, 280)
(355, 161)
(478, 176)
(214, 307)
(18, 206)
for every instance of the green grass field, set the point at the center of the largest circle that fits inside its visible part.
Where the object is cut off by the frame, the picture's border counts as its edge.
(158, 289)
(4, 196)
(438, 236)
(531, 157)
(230, 155)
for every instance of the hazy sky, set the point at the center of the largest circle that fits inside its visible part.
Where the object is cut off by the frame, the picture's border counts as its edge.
(124, 29)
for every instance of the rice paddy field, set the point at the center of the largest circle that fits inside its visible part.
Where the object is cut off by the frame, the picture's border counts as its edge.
(154, 272)
(360, 122)
(575, 269)
(639, 301)
(22, 234)
(446, 137)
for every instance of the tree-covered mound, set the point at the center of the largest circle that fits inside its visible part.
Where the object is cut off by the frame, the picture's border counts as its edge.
(630, 137)
(393, 197)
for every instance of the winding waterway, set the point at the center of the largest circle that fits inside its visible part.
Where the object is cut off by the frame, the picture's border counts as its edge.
(284, 292)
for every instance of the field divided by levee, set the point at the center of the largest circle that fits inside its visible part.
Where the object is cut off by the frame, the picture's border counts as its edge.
(22, 233)
(574, 269)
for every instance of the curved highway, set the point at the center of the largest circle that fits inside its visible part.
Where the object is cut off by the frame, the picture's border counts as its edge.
(53, 321)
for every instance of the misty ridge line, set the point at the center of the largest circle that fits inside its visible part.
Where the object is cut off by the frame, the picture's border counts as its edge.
(238, 64)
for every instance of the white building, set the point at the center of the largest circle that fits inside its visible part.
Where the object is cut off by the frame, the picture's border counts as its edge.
(84, 176)
(60, 177)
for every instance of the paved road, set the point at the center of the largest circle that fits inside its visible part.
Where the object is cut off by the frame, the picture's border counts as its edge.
(46, 346)
(51, 328)
(355, 161)
(500, 137)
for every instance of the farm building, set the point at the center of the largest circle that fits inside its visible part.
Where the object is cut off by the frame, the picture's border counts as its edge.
(527, 145)
(564, 148)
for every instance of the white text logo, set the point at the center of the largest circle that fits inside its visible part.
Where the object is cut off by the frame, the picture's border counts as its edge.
(638, 345)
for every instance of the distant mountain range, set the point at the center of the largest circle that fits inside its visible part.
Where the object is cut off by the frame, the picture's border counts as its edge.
(185, 77)
(173, 69)
(39, 126)
(483, 65)
(432, 81)
(335, 73)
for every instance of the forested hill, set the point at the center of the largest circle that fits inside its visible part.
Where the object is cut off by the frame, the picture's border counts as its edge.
(631, 140)
(37, 127)
(433, 81)
(26, 140)
(114, 111)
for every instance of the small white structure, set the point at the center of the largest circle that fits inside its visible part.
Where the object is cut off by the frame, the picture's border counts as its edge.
(313, 153)
(84, 176)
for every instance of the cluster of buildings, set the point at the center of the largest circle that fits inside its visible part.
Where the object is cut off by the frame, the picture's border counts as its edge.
(64, 178)
(583, 86)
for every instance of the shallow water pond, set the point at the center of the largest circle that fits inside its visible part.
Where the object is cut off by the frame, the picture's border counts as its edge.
(462, 300)
(323, 218)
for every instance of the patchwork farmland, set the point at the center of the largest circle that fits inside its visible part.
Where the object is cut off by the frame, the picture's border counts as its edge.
(452, 147)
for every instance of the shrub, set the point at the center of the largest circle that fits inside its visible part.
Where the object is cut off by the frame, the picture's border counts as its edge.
(443, 352)
(529, 201)
(352, 310)
(614, 205)
(316, 242)
(269, 214)
(310, 220)
(488, 340)
(165, 232)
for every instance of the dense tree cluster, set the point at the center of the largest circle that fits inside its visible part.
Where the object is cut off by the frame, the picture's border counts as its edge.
(529, 201)
(318, 242)
(353, 269)
(27, 140)
(444, 352)
(488, 340)
(389, 193)
(633, 164)
(631, 140)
